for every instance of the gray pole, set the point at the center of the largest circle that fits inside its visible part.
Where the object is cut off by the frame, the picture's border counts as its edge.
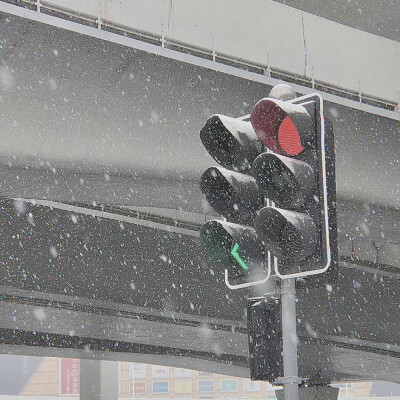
(290, 369)
(99, 380)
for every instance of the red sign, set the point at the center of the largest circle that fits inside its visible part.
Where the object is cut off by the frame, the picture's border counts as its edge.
(137, 387)
(70, 377)
(140, 388)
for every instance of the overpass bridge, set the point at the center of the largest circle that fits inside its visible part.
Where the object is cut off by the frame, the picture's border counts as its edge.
(99, 129)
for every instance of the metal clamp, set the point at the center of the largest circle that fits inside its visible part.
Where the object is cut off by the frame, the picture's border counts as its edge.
(288, 379)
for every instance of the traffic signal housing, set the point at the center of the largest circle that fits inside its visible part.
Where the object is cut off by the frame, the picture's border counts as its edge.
(274, 191)
(233, 193)
(265, 339)
(237, 247)
(231, 142)
(298, 176)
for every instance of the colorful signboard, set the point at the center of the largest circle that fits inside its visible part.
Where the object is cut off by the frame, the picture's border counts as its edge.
(70, 377)
(160, 387)
(206, 386)
(137, 371)
(137, 388)
(251, 386)
(159, 371)
(183, 387)
(201, 373)
(182, 373)
(229, 386)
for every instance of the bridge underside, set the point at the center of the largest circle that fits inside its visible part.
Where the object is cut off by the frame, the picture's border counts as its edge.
(128, 284)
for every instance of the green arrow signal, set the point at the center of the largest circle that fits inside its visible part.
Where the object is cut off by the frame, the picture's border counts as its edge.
(238, 258)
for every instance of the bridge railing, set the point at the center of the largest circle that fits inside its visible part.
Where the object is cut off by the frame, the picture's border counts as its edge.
(260, 36)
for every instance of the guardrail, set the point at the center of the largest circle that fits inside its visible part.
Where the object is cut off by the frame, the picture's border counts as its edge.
(213, 55)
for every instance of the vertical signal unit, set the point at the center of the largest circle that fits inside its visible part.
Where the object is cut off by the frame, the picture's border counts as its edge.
(233, 193)
(298, 175)
(265, 339)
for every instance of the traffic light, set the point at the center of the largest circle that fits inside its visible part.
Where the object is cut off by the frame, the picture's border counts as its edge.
(281, 156)
(233, 192)
(298, 176)
(265, 339)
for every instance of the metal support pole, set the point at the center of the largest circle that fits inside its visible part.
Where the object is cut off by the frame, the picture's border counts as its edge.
(99, 380)
(289, 336)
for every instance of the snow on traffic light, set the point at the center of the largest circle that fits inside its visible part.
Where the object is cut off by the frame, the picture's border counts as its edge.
(298, 176)
(275, 190)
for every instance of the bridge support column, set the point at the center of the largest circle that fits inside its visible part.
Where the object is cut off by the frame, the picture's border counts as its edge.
(99, 380)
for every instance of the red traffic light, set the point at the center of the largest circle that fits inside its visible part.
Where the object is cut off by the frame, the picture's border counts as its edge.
(283, 127)
(289, 138)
